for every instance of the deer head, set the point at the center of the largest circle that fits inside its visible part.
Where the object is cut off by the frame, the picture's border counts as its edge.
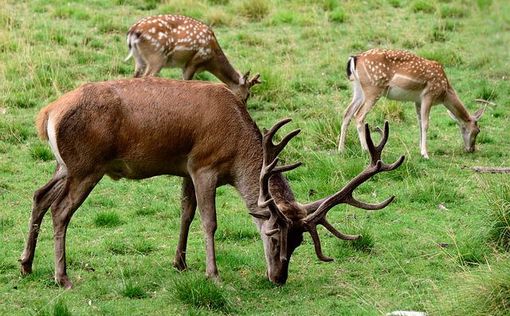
(243, 89)
(285, 223)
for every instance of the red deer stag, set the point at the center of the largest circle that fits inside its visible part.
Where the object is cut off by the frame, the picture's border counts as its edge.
(179, 41)
(200, 131)
(400, 75)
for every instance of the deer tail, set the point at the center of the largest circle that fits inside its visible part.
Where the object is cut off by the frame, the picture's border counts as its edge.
(132, 39)
(41, 123)
(351, 68)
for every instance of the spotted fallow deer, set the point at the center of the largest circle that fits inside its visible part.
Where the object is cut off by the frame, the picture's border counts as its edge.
(200, 131)
(403, 76)
(182, 42)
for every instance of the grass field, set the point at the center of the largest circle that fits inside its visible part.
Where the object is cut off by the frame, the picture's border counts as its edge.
(441, 247)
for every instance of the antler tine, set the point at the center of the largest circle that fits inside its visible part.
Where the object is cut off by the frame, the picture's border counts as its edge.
(335, 232)
(366, 206)
(317, 244)
(271, 152)
(375, 151)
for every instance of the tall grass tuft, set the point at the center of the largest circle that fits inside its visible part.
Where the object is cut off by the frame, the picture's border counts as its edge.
(41, 152)
(60, 309)
(499, 200)
(483, 292)
(201, 293)
(365, 244)
(134, 291)
(107, 219)
(255, 10)
(424, 6)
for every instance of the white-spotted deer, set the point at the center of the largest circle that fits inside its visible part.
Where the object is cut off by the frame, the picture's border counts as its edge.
(182, 42)
(400, 75)
(199, 131)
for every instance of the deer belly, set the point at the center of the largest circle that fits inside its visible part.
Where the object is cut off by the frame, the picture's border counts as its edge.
(400, 94)
(180, 56)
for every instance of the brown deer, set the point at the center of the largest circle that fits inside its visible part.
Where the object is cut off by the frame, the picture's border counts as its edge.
(145, 127)
(400, 75)
(182, 42)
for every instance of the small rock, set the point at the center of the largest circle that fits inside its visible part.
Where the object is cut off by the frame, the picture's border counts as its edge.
(442, 207)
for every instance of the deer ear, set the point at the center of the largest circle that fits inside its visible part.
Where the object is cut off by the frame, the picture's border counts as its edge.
(478, 114)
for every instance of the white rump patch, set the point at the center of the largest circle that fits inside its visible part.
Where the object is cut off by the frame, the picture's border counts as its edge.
(52, 139)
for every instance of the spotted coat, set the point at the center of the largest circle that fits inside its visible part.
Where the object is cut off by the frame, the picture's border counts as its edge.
(381, 66)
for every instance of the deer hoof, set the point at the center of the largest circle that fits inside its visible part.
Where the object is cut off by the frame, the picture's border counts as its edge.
(180, 264)
(64, 282)
(25, 268)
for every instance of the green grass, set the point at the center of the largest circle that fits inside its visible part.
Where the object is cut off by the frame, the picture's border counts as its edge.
(201, 293)
(447, 224)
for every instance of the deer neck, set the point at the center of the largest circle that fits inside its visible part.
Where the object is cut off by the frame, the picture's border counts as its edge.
(222, 69)
(457, 108)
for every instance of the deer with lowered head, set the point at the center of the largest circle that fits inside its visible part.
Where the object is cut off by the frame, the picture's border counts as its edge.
(182, 42)
(144, 127)
(403, 76)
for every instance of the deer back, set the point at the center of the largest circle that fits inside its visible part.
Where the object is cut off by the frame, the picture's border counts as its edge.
(148, 126)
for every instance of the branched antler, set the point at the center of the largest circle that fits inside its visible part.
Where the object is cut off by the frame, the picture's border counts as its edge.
(277, 219)
(344, 196)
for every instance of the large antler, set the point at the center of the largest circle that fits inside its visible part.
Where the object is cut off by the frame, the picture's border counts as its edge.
(344, 196)
(278, 221)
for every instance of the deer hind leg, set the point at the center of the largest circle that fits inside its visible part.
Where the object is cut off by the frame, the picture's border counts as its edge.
(140, 65)
(357, 101)
(360, 115)
(189, 205)
(154, 63)
(74, 193)
(205, 191)
(43, 198)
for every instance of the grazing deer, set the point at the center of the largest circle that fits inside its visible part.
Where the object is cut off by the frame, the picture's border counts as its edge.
(400, 75)
(200, 131)
(182, 42)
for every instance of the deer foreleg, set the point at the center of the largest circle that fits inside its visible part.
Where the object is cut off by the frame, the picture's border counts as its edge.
(426, 104)
(205, 192)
